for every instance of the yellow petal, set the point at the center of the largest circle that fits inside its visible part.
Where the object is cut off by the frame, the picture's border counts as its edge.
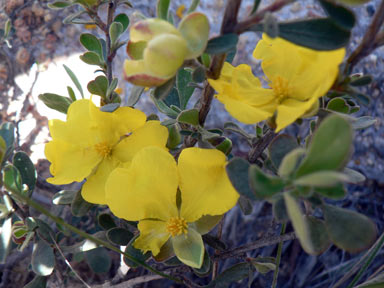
(244, 112)
(204, 184)
(111, 126)
(69, 162)
(153, 235)
(77, 129)
(290, 110)
(147, 189)
(93, 190)
(152, 133)
(279, 57)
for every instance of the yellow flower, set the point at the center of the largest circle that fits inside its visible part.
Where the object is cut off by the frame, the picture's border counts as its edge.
(158, 49)
(146, 191)
(91, 143)
(180, 11)
(297, 78)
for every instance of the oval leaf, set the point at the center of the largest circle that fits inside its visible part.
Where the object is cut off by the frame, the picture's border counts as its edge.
(43, 259)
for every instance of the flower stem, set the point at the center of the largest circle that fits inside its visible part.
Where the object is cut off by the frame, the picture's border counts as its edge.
(278, 257)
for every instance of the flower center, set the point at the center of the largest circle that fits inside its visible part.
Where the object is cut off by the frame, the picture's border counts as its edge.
(280, 88)
(103, 149)
(177, 226)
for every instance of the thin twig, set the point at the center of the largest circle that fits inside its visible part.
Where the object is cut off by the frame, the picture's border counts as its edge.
(367, 45)
(110, 53)
(278, 257)
(259, 147)
(215, 268)
(243, 26)
(255, 245)
(69, 264)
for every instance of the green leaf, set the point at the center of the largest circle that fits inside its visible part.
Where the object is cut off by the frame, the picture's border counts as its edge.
(214, 242)
(322, 179)
(330, 147)
(361, 80)
(98, 86)
(106, 221)
(74, 80)
(193, 6)
(299, 223)
(71, 93)
(119, 236)
(376, 282)
(317, 34)
(7, 132)
(222, 44)
(233, 274)
(85, 245)
(115, 30)
(174, 137)
(38, 281)
(112, 86)
(363, 122)
(109, 108)
(318, 234)
(80, 207)
(189, 117)
(281, 146)
(163, 108)
(199, 75)
(290, 162)
(12, 179)
(162, 9)
(136, 253)
(27, 170)
(92, 44)
(339, 105)
(280, 210)
(256, 4)
(354, 176)
(206, 268)
(5, 239)
(43, 259)
(136, 92)
(3, 150)
(123, 20)
(161, 92)
(189, 248)
(7, 28)
(341, 15)
(183, 78)
(98, 260)
(237, 170)
(263, 267)
(59, 4)
(206, 223)
(264, 186)
(64, 197)
(56, 102)
(349, 230)
(44, 230)
(270, 25)
(335, 192)
(91, 58)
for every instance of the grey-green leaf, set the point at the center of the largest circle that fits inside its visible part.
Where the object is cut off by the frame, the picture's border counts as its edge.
(233, 274)
(330, 147)
(162, 9)
(56, 102)
(341, 15)
(92, 44)
(98, 260)
(64, 197)
(119, 236)
(98, 86)
(80, 207)
(91, 58)
(190, 117)
(183, 78)
(27, 170)
(37, 282)
(349, 230)
(43, 259)
(74, 80)
(222, 44)
(237, 170)
(264, 186)
(281, 146)
(123, 20)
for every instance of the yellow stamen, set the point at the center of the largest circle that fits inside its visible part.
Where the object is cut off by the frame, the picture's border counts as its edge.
(280, 88)
(103, 149)
(177, 226)
(180, 11)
